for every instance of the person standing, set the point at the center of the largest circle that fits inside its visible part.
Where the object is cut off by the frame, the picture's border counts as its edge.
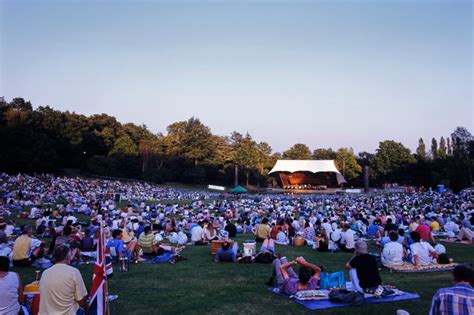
(62, 289)
(456, 300)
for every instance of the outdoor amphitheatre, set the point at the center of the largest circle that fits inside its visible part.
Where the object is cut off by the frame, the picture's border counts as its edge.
(236, 157)
(191, 247)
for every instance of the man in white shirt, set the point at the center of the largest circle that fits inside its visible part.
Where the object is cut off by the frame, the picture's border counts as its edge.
(422, 252)
(197, 234)
(393, 252)
(347, 239)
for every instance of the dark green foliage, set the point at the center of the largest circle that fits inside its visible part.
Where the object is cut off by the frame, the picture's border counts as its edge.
(44, 139)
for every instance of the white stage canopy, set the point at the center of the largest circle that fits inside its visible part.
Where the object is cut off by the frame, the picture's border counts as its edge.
(313, 166)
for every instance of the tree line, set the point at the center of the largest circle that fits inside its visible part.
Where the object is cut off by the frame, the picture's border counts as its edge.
(44, 139)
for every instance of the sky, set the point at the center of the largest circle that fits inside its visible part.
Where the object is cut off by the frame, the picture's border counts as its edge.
(324, 73)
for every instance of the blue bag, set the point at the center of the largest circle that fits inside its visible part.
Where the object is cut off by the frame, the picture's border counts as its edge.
(332, 280)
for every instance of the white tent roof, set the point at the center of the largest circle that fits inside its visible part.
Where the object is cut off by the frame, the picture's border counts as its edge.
(313, 166)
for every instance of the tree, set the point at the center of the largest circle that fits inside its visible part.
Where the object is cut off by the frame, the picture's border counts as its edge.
(461, 138)
(434, 149)
(442, 151)
(190, 140)
(324, 154)
(124, 145)
(246, 155)
(297, 152)
(390, 158)
(462, 141)
(265, 162)
(347, 162)
(421, 150)
(450, 149)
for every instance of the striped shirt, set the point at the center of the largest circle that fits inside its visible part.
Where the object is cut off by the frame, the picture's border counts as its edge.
(146, 242)
(457, 300)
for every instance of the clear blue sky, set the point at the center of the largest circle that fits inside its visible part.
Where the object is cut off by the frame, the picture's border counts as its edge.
(325, 73)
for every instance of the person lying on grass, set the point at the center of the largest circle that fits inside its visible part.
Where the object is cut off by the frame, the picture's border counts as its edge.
(291, 282)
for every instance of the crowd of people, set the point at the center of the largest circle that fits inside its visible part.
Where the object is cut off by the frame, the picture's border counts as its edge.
(68, 212)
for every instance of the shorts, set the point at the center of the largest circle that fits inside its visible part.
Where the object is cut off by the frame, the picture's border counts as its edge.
(270, 248)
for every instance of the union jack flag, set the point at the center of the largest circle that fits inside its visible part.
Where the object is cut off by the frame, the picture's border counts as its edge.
(99, 277)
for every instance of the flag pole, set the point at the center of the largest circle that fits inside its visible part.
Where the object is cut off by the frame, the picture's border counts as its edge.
(106, 285)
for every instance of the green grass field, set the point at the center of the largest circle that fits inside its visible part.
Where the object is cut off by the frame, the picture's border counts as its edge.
(200, 286)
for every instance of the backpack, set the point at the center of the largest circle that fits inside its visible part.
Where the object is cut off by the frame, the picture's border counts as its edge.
(344, 296)
(332, 280)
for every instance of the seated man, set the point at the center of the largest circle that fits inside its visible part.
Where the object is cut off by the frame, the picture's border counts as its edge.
(197, 234)
(27, 249)
(347, 239)
(458, 299)
(422, 252)
(132, 249)
(226, 253)
(393, 252)
(288, 281)
(363, 270)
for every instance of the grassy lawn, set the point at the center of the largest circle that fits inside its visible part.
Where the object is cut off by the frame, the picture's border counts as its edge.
(198, 285)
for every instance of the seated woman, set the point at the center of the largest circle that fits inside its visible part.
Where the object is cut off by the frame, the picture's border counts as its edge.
(323, 241)
(309, 234)
(282, 238)
(288, 281)
(422, 252)
(210, 232)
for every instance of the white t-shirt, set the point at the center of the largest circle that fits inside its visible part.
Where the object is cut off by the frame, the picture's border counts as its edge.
(392, 253)
(347, 238)
(9, 298)
(422, 250)
(327, 227)
(196, 234)
(281, 238)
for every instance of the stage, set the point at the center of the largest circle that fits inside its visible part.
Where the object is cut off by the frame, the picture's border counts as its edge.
(328, 191)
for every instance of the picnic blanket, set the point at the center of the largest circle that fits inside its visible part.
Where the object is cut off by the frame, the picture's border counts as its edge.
(159, 259)
(430, 268)
(324, 302)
